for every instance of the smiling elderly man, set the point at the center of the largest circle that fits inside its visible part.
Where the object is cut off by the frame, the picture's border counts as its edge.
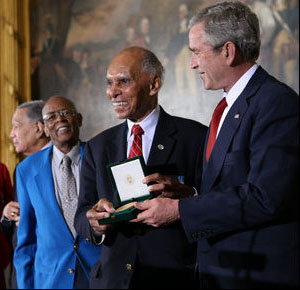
(50, 254)
(135, 256)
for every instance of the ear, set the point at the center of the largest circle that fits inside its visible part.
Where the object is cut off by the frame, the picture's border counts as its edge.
(155, 84)
(46, 131)
(79, 119)
(230, 52)
(39, 129)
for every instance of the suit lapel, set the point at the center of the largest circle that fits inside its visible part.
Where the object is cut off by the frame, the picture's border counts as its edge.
(163, 142)
(118, 146)
(231, 124)
(44, 180)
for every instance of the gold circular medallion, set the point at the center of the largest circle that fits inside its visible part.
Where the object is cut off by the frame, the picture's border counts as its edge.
(129, 179)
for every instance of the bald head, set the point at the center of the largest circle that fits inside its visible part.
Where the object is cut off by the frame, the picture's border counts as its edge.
(59, 99)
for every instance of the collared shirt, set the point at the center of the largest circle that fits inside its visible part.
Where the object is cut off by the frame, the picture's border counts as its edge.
(148, 125)
(56, 164)
(47, 145)
(235, 91)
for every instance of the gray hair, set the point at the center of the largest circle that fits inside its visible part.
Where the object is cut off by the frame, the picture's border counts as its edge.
(34, 110)
(230, 21)
(152, 65)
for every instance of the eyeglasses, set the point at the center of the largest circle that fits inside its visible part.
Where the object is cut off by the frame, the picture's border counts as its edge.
(52, 117)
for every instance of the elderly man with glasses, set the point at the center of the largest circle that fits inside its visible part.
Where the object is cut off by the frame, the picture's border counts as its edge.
(50, 254)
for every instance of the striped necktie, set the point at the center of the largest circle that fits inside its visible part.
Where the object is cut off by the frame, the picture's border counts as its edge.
(136, 148)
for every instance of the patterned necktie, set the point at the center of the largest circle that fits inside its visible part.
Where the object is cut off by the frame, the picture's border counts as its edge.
(214, 126)
(69, 197)
(136, 148)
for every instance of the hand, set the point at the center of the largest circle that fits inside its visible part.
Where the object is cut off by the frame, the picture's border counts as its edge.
(168, 187)
(12, 212)
(102, 209)
(158, 211)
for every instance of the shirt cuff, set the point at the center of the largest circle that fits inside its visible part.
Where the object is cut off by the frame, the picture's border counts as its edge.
(196, 192)
(97, 237)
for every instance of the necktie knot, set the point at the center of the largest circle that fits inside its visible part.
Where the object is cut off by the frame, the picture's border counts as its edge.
(220, 107)
(137, 130)
(66, 162)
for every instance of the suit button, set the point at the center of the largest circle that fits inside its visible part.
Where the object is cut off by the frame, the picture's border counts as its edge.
(87, 240)
(71, 271)
(76, 246)
(128, 267)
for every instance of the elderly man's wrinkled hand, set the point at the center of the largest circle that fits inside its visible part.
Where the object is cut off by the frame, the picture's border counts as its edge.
(102, 209)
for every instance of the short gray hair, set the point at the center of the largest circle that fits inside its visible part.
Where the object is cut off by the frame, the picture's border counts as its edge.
(230, 21)
(152, 65)
(34, 110)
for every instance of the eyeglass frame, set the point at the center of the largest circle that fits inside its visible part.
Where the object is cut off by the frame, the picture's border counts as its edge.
(63, 113)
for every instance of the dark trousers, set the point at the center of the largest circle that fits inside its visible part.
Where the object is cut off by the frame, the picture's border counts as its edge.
(161, 278)
(81, 280)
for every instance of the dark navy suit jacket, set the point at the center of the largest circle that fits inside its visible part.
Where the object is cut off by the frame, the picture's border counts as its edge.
(246, 218)
(165, 252)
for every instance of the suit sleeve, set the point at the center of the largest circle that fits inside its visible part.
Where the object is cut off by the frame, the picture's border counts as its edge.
(269, 187)
(26, 246)
(88, 196)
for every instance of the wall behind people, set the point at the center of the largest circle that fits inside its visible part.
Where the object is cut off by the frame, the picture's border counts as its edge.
(72, 42)
(14, 71)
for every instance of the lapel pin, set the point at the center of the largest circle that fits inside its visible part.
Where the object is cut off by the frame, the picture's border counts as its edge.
(236, 116)
(160, 147)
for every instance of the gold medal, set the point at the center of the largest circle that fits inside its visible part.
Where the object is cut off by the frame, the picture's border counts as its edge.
(129, 179)
(125, 206)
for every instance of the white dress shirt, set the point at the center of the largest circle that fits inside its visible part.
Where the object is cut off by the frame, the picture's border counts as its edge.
(148, 125)
(235, 91)
(56, 164)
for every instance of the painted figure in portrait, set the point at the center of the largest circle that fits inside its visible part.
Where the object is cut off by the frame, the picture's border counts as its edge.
(72, 42)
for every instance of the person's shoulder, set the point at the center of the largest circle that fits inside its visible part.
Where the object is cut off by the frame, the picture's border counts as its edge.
(188, 124)
(275, 89)
(105, 135)
(268, 96)
(2, 167)
(33, 160)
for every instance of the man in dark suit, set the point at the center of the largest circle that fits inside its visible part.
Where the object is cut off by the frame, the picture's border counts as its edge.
(245, 220)
(50, 254)
(139, 256)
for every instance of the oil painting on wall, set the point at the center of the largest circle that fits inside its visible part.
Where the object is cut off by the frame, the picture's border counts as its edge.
(72, 42)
